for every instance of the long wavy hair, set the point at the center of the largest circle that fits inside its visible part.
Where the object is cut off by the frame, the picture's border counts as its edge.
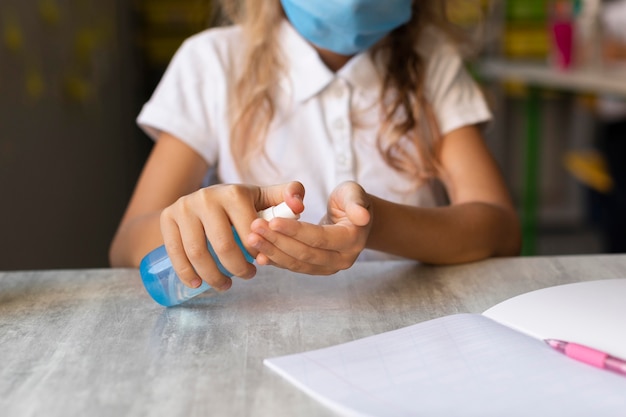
(407, 115)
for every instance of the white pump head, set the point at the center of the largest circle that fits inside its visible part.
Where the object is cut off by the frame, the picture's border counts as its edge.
(281, 210)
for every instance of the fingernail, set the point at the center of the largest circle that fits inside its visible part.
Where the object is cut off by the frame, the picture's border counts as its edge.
(196, 282)
(250, 274)
(225, 286)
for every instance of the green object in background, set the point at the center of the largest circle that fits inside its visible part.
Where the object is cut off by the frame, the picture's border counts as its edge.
(526, 10)
(525, 35)
(531, 173)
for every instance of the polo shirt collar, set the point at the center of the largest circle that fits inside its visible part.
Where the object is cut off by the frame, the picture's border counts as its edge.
(307, 75)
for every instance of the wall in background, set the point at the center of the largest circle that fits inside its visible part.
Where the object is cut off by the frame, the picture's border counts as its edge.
(69, 149)
(73, 77)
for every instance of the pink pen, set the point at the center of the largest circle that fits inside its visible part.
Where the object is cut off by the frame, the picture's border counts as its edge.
(589, 356)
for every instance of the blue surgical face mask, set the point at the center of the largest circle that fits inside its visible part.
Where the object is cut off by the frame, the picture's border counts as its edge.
(346, 27)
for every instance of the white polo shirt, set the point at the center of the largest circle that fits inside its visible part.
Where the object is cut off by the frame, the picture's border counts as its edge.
(313, 137)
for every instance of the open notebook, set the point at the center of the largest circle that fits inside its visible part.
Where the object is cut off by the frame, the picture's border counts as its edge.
(494, 364)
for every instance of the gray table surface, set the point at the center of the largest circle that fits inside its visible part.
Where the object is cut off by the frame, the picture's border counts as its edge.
(92, 342)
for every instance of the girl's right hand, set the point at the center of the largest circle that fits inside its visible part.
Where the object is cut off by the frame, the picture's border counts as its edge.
(208, 214)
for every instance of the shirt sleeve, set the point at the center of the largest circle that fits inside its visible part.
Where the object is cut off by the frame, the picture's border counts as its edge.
(456, 98)
(179, 104)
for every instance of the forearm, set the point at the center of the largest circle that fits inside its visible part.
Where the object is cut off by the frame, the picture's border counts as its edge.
(134, 239)
(444, 235)
(172, 170)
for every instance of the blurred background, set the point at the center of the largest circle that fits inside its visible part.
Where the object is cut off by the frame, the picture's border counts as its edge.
(74, 74)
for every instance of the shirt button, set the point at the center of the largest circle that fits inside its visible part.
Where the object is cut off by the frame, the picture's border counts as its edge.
(342, 159)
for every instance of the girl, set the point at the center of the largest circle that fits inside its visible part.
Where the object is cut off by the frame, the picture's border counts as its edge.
(363, 103)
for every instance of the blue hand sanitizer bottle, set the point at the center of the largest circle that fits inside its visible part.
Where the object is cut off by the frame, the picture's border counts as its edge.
(163, 284)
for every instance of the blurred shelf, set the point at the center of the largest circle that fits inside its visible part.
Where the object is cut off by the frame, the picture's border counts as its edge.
(538, 75)
(602, 80)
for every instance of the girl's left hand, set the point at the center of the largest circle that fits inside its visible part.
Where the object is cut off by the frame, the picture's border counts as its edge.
(322, 249)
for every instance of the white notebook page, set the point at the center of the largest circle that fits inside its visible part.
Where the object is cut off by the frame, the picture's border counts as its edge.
(463, 364)
(592, 313)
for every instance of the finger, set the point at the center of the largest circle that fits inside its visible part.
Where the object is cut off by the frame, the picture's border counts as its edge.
(218, 208)
(358, 214)
(292, 193)
(176, 252)
(294, 196)
(328, 237)
(197, 252)
(223, 241)
(356, 203)
(281, 247)
(299, 259)
(262, 259)
(242, 215)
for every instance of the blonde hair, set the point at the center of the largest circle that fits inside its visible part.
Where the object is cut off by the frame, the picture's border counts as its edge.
(406, 115)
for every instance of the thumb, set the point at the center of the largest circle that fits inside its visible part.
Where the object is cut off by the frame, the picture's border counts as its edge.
(292, 193)
(356, 203)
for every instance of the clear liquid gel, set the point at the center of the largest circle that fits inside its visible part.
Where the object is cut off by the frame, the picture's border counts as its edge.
(161, 280)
